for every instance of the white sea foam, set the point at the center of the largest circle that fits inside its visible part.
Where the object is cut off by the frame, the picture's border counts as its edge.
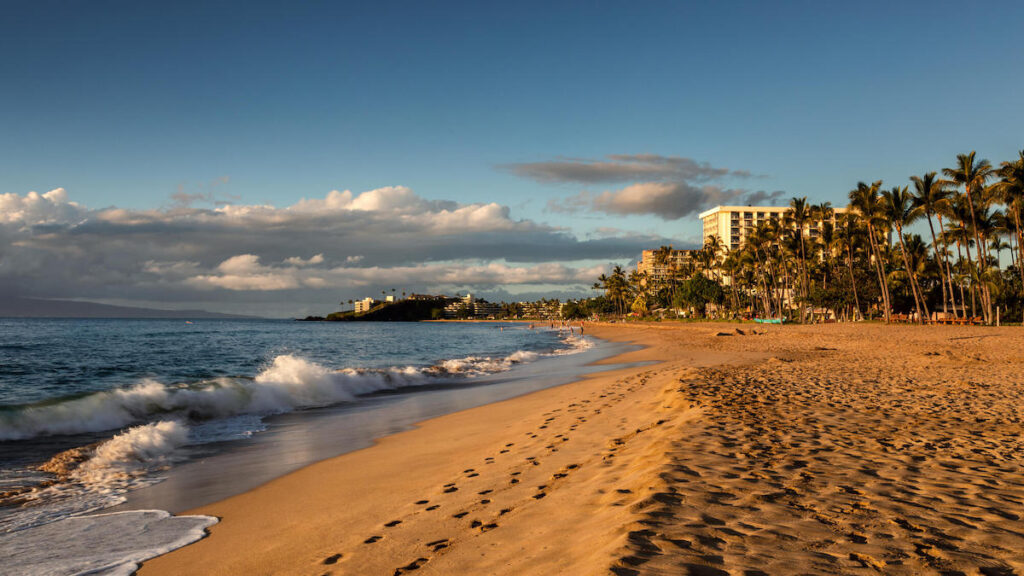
(289, 383)
(112, 544)
(122, 463)
(133, 453)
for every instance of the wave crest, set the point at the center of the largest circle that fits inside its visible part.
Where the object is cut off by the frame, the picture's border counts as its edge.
(289, 383)
(133, 452)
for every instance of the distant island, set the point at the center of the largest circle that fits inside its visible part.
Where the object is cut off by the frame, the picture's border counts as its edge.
(14, 307)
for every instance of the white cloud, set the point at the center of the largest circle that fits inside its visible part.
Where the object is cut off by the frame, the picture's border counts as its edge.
(244, 272)
(313, 251)
(298, 261)
(35, 209)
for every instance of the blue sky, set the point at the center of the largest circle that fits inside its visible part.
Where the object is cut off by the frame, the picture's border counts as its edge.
(124, 104)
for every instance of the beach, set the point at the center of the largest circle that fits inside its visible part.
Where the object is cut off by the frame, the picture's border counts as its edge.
(724, 449)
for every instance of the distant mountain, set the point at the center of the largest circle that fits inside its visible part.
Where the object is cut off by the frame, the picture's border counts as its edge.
(36, 308)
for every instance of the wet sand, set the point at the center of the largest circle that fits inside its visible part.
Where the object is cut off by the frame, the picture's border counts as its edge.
(836, 449)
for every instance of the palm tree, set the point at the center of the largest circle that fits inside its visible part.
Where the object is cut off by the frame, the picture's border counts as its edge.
(799, 215)
(901, 212)
(932, 196)
(1011, 190)
(663, 260)
(865, 200)
(616, 288)
(973, 176)
(846, 239)
(713, 247)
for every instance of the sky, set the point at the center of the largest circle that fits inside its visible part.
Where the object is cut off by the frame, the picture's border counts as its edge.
(277, 158)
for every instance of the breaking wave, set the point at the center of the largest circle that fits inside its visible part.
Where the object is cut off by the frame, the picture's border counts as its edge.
(289, 383)
(133, 452)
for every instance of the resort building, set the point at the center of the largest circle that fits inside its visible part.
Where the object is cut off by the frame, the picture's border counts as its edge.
(471, 307)
(364, 305)
(546, 309)
(659, 272)
(732, 224)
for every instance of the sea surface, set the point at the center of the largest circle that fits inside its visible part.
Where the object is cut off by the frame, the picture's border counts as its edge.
(133, 420)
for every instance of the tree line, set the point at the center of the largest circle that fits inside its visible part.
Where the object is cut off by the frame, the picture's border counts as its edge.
(861, 262)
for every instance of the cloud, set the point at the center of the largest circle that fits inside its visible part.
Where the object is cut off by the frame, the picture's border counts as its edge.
(251, 257)
(298, 261)
(669, 187)
(623, 168)
(668, 201)
(34, 209)
(245, 272)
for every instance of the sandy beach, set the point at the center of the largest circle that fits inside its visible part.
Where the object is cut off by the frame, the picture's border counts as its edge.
(832, 449)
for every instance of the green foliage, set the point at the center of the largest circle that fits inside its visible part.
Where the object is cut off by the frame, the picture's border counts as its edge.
(574, 311)
(699, 291)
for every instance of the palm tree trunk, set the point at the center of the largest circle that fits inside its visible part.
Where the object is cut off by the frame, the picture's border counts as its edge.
(880, 270)
(972, 272)
(1020, 245)
(853, 281)
(803, 273)
(978, 246)
(942, 270)
(949, 267)
(910, 275)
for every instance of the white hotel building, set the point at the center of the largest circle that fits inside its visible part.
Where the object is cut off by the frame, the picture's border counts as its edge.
(732, 224)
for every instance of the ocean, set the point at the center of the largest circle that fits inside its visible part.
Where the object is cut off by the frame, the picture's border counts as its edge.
(109, 426)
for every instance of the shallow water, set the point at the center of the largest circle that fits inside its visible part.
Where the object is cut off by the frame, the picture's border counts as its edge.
(174, 415)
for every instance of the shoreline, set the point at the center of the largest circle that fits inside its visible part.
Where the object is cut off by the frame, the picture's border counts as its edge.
(288, 444)
(292, 519)
(795, 449)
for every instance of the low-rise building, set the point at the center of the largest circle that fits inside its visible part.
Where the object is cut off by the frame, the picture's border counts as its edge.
(545, 309)
(364, 305)
(470, 307)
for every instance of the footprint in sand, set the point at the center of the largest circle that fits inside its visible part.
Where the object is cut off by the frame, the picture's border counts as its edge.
(437, 545)
(414, 565)
(332, 559)
(393, 523)
(372, 539)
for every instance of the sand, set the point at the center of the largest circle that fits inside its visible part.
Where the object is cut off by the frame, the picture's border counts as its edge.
(835, 449)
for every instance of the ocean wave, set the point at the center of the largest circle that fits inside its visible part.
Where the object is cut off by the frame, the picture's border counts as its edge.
(132, 453)
(96, 476)
(288, 383)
